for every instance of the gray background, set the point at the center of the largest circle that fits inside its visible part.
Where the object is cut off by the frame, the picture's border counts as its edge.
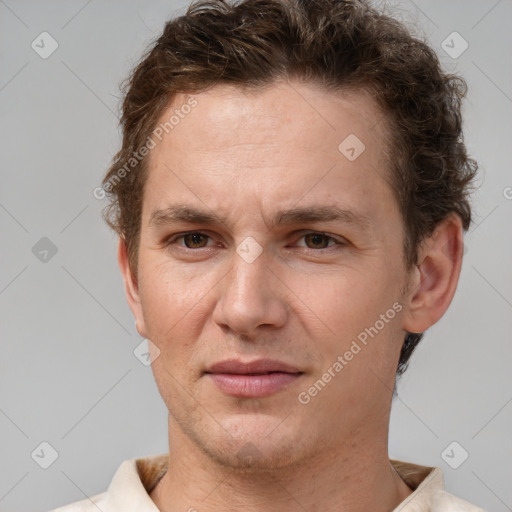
(67, 368)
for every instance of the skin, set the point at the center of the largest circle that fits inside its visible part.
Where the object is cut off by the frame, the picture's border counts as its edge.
(245, 156)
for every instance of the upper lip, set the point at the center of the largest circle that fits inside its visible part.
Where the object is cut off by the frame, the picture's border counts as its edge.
(258, 366)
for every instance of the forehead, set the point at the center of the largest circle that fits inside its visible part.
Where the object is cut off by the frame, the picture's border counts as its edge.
(279, 144)
(291, 110)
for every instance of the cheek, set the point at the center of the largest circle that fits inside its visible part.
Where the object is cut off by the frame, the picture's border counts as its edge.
(353, 306)
(165, 299)
(175, 305)
(342, 297)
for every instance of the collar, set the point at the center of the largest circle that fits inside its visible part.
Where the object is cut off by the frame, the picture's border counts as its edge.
(136, 478)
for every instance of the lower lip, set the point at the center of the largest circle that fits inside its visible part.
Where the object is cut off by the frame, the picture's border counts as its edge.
(253, 386)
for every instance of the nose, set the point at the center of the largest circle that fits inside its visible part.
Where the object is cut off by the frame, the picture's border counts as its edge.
(251, 298)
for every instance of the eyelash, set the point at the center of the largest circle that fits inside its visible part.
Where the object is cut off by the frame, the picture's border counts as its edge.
(172, 240)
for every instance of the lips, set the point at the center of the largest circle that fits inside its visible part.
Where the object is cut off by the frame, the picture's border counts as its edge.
(253, 379)
(259, 366)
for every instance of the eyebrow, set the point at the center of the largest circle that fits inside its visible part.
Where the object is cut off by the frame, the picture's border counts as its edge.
(183, 213)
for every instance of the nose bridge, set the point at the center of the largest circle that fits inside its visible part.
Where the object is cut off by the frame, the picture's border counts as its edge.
(249, 297)
(248, 278)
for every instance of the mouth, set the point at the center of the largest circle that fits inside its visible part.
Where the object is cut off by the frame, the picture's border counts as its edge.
(254, 379)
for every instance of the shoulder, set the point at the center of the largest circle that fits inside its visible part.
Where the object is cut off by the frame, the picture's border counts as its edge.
(429, 494)
(92, 504)
(129, 489)
(445, 502)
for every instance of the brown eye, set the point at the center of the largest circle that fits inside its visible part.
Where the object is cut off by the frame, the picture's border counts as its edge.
(317, 240)
(195, 240)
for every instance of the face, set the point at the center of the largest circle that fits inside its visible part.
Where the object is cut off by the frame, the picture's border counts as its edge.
(271, 272)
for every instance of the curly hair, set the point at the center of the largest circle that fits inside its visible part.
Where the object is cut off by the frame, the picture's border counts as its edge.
(339, 44)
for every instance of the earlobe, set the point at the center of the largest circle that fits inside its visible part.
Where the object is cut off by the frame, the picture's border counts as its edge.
(131, 287)
(434, 280)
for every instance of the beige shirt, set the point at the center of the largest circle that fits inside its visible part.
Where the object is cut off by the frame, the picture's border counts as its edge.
(136, 478)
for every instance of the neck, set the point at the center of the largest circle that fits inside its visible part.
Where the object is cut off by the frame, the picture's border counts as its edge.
(354, 476)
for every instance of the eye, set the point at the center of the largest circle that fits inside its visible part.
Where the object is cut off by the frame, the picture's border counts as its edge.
(194, 240)
(318, 241)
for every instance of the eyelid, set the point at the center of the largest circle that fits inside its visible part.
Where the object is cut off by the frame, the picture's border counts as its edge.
(337, 239)
(174, 238)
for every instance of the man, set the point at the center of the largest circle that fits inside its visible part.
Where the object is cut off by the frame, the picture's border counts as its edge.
(290, 197)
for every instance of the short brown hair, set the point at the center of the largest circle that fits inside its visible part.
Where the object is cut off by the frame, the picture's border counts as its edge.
(340, 44)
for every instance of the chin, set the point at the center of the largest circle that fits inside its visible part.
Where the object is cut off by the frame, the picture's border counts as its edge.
(254, 442)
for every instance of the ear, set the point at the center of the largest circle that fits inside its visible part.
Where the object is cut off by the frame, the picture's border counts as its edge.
(434, 280)
(131, 288)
